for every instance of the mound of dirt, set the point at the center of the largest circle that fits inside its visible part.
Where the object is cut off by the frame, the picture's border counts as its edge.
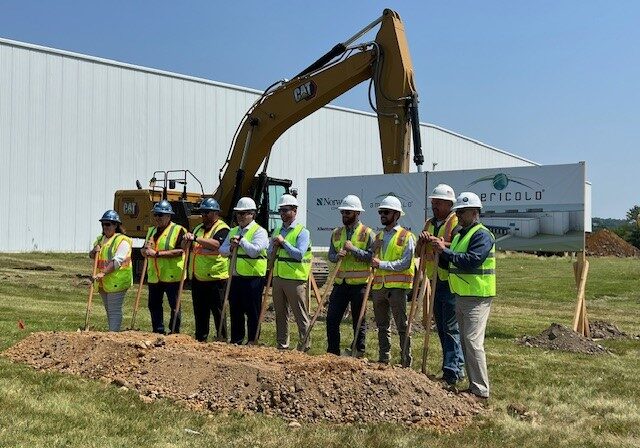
(559, 337)
(606, 243)
(600, 329)
(217, 376)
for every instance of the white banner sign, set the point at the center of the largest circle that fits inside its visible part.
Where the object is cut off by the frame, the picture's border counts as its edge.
(536, 208)
(325, 194)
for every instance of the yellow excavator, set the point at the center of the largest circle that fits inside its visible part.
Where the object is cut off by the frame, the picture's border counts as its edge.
(385, 62)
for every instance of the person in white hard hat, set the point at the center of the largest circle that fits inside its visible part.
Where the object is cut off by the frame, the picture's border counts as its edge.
(443, 225)
(247, 276)
(393, 278)
(472, 278)
(291, 268)
(353, 243)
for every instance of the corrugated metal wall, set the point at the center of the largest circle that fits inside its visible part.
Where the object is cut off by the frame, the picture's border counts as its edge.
(73, 129)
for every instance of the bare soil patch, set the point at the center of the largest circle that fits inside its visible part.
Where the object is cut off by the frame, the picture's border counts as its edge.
(218, 376)
(559, 337)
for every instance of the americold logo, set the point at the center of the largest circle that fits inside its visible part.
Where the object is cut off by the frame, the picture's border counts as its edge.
(406, 203)
(500, 181)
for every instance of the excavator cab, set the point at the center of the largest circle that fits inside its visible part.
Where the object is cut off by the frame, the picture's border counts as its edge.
(266, 191)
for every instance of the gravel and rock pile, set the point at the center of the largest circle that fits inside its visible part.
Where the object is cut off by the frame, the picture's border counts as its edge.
(605, 243)
(217, 376)
(600, 329)
(559, 337)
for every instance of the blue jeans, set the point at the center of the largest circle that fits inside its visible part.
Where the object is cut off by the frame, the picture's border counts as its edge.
(444, 310)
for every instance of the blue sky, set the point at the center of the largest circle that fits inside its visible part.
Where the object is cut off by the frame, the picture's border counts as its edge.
(552, 81)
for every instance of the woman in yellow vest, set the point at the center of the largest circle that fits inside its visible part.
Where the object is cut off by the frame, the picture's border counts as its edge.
(114, 275)
(472, 278)
(393, 279)
(165, 262)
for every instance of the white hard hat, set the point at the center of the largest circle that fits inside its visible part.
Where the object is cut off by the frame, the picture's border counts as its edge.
(467, 200)
(288, 200)
(443, 191)
(391, 203)
(351, 202)
(245, 204)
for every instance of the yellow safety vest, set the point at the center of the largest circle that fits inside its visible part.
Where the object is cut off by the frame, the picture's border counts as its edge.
(395, 249)
(165, 269)
(443, 232)
(247, 266)
(207, 264)
(352, 271)
(287, 267)
(480, 282)
(122, 278)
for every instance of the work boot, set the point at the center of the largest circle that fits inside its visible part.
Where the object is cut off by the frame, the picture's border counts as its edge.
(348, 352)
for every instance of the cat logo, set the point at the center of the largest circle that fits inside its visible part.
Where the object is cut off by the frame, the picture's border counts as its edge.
(130, 208)
(305, 91)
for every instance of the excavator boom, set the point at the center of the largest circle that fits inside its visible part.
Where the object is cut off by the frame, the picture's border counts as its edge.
(385, 61)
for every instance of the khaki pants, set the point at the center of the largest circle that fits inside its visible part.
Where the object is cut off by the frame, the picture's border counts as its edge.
(290, 294)
(472, 314)
(387, 302)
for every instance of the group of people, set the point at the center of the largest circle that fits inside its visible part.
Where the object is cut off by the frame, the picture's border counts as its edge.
(454, 248)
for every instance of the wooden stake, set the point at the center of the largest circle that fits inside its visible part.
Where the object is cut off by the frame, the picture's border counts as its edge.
(321, 306)
(580, 322)
(316, 290)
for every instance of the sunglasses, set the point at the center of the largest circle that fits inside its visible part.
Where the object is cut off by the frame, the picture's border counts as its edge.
(107, 224)
(385, 212)
(347, 212)
(244, 213)
(285, 210)
(159, 215)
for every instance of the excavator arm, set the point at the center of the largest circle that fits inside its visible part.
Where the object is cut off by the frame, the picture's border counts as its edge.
(385, 61)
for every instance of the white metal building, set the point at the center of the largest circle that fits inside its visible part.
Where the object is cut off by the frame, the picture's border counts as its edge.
(74, 128)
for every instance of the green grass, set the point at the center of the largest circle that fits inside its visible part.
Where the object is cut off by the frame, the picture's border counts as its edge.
(578, 400)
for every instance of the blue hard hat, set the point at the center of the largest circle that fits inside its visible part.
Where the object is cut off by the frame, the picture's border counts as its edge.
(111, 215)
(163, 207)
(209, 204)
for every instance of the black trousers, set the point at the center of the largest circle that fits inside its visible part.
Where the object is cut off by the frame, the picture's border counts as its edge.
(245, 299)
(341, 296)
(207, 300)
(156, 294)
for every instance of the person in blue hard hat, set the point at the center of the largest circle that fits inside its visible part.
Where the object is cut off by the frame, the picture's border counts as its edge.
(114, 274)
(208, 269)
(165, 264)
